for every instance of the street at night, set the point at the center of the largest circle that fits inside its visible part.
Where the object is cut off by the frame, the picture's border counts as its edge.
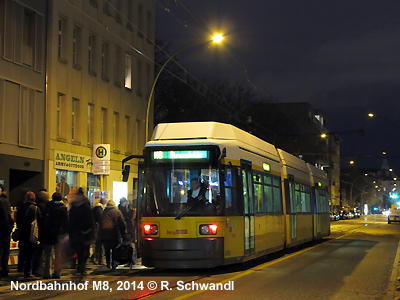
(199, 149)
(357, 261)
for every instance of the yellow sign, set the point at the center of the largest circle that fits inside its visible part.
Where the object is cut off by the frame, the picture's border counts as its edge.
(101, 152)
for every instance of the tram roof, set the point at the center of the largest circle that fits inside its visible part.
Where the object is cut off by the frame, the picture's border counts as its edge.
(214, 132)
(194, 130)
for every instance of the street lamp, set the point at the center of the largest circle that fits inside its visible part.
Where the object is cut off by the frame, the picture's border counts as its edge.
(216, 38)
(371, 115)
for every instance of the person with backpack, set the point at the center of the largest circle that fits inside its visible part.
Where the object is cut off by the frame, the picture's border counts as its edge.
(111, 228)
(26, 214)
(55, 220)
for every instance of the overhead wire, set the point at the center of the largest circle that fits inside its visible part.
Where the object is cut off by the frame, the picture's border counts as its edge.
(243, 70)
(152, 60)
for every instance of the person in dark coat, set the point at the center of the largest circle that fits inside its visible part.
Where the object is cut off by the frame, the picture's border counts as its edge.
(111, 228)
(98, 247)
(129, 215)
(42, 199)
(26, 214)
(81, 229)
(6, 226)
(55, 219)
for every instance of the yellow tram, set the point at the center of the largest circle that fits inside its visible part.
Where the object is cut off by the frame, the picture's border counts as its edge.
(256, 199)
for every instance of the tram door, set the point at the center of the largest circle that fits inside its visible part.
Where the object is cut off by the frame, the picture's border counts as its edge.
(293, 210)
(249, 218)
(318, 210)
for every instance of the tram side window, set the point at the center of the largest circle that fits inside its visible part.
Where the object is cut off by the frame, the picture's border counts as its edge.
(258, 191)
(322, 201)
(231, 199)
(272, 194)
(277, 195)
(303, 200)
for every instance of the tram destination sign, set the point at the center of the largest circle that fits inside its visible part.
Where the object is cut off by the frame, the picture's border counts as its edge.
(180, 155)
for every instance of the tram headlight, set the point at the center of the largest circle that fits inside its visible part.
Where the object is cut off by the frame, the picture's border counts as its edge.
(150, 229)
(208, 229)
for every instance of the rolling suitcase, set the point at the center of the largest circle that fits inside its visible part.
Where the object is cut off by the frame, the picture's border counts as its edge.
(124, 252)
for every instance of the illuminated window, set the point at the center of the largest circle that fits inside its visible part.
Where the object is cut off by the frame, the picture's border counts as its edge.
(128, 71)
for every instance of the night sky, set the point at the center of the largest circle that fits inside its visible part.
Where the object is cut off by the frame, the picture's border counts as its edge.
(343, 57)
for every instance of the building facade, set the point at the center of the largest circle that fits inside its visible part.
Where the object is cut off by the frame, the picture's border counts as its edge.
(73, 73)
(22, 96)
(100, 70)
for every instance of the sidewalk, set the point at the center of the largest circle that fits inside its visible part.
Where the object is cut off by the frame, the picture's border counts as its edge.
(70, 273)
(394, 281)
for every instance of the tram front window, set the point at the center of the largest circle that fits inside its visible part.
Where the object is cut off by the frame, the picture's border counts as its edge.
(190, 191)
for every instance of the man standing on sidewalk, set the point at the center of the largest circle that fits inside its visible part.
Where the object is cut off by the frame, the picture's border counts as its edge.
(6, 226)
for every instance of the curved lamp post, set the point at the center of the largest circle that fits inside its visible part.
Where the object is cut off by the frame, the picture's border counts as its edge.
(216, 38)
(371, 115)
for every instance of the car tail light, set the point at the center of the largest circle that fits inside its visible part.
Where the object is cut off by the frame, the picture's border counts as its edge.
(150, 229)
(208, 229)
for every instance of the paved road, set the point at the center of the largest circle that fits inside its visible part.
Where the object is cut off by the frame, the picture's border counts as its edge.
(356, 262)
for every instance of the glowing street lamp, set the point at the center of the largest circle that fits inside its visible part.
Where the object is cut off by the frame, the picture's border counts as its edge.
(216, 38)
(371, 115)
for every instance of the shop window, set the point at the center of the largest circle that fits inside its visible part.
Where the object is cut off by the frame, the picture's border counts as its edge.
(65, 180)
(93, 185)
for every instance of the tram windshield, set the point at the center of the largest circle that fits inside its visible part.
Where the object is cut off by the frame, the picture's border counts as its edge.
(182, 192)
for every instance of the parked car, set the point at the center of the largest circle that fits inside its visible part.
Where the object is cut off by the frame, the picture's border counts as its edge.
(394, 216)
(357, 213)
(343, 214)
(335, 216)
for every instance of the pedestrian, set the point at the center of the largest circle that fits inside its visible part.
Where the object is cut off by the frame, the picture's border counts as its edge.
(111, 228)
(98, 247)
(26, 214)
(55, 219)
(42, 199)
(129, 215)
(6, 227)
(81, 229)
(81, 193)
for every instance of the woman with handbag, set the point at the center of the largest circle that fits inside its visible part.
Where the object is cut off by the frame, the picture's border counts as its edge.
(27, 215)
